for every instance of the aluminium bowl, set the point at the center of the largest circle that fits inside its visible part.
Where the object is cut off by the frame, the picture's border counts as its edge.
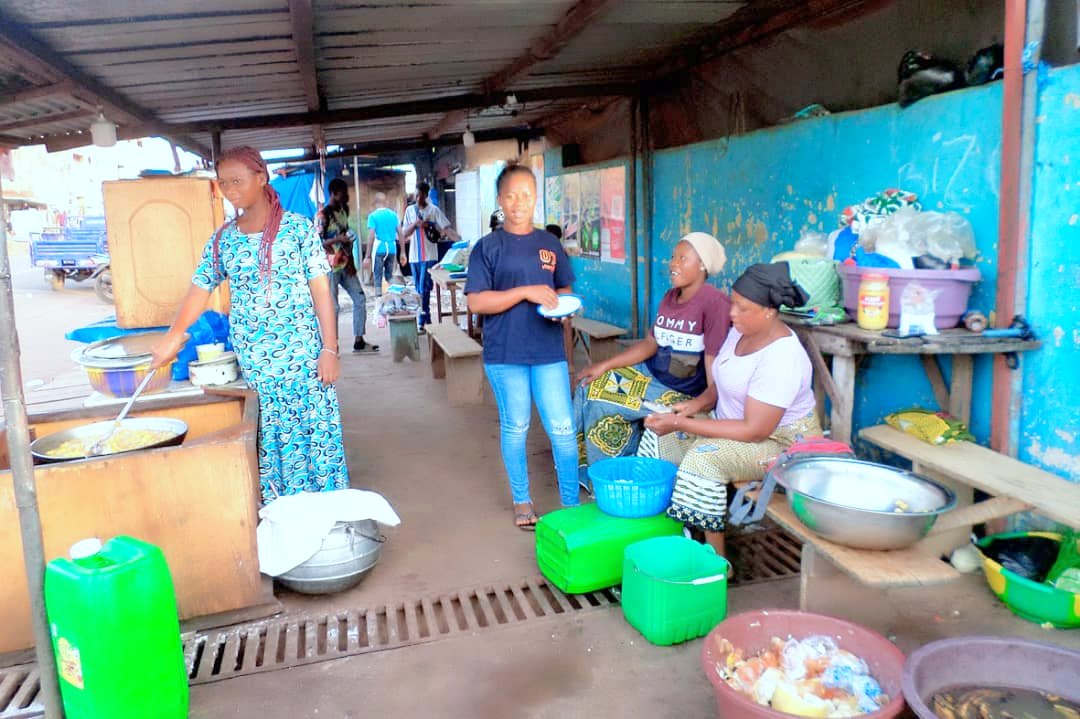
(856, 503)
(41, 446)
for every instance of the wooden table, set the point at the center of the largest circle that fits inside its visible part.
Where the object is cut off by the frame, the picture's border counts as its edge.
(847, 343)
(441, 279)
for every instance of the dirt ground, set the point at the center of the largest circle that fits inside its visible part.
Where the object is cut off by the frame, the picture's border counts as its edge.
(439, 467)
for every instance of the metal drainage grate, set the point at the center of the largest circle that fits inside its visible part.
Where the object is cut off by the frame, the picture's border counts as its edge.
(267, 645)
(18, 688)
(763, 555)
(295, 641)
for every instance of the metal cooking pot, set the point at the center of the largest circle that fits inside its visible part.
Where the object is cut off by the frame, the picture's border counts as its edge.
(92, 432)
(347, 554)
(862, 504)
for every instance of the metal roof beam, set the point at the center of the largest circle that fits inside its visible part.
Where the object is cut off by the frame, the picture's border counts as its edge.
(43, 92)
(576, 20)
(386, 147)
(19, 44)
(45, 119)
(396, 109)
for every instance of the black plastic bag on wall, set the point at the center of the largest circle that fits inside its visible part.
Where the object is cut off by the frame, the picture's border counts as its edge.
(921, 75)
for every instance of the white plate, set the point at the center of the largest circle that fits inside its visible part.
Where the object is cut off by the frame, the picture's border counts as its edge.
(568, 305)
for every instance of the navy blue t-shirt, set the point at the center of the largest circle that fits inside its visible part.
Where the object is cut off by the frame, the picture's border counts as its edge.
(502, 261)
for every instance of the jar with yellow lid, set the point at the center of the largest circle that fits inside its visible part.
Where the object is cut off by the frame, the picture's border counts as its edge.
(873, 312)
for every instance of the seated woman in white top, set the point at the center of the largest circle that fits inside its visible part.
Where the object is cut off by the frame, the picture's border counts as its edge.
(761, 400)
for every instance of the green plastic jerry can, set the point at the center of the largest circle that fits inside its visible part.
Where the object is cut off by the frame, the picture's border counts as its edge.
(580, 549)
(115, 632)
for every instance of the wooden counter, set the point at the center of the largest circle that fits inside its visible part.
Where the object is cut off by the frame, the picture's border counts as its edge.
(198, 502)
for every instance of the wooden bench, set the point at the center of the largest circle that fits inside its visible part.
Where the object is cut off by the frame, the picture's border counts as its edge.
(598, 338)
(456, 357)
(839, 580)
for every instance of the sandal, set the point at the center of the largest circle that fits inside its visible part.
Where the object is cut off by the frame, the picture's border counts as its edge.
(526, 521)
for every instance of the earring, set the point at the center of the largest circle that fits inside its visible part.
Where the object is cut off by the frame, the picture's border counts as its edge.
(703, 268)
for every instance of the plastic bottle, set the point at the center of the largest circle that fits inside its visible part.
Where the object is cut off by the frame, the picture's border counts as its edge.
(115, 632)
(873, 313)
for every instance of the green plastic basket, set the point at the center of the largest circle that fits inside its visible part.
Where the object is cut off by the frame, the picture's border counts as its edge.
(580, 549)
(674, 589)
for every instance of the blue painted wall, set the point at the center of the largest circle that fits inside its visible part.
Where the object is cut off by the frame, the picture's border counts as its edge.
(1049, 433)
(757, 192)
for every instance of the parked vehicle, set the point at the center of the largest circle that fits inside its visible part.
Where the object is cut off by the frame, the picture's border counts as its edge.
(103, 279)
(77, 253)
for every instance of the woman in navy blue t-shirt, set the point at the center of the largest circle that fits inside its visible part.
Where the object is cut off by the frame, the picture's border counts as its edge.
(511, 271)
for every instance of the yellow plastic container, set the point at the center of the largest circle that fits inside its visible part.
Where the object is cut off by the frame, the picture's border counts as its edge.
(873, 312)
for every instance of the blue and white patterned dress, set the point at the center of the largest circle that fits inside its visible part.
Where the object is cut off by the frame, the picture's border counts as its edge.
(275, 334)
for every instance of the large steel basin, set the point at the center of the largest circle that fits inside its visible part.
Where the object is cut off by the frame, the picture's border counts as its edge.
(862, 504)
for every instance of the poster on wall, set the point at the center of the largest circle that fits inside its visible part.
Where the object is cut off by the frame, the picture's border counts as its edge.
(570, 217)
(553, 200)
(536, 163)
(589, 232)
(613, 215)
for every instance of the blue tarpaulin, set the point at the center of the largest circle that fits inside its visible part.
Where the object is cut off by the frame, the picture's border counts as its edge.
(295, 193)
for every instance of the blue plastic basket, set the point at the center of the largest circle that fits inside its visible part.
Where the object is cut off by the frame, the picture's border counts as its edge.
(632, 487)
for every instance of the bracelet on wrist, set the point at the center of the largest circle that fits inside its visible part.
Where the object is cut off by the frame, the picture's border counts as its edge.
(327, 349)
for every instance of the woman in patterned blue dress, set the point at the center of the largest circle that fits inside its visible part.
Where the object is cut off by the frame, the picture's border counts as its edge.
(282, 326)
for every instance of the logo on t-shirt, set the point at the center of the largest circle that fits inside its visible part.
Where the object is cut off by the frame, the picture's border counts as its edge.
(681, 335)
(547, 260)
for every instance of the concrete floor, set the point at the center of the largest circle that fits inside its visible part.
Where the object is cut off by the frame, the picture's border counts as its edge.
(439, 467)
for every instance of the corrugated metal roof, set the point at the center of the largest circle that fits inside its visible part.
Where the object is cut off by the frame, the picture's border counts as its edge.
(187, 61)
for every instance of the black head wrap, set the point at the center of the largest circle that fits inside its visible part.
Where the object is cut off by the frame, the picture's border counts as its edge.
(770, 286)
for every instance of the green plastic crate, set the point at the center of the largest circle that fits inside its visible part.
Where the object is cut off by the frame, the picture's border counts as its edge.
(673, 589)
(580, 549)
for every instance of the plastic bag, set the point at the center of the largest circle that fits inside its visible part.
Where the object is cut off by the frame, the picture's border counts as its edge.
(457, 257)
(1028, 557)
(917, 311)
(909, 233)
(1066, 569)
(931, 427)
(211, 327)
(812, 243)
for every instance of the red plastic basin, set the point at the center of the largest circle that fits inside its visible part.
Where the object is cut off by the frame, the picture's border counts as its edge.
(751, 631)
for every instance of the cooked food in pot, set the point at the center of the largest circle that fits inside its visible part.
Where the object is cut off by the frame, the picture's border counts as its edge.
(124, 440)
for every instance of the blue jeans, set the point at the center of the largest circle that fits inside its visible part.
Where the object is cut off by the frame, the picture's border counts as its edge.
(515, 387)
(382, 267)
(423, 283)
(351, 283)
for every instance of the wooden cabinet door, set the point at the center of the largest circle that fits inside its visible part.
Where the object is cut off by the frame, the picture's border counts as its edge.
(157, 231)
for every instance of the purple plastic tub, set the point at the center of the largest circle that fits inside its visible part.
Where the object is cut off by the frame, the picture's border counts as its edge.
(991, 662)
(954, 287)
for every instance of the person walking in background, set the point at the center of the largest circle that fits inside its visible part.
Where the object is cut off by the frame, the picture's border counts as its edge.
(282, 324)
(332, 224)
(421, 228)
(511, 271)
(382, 242)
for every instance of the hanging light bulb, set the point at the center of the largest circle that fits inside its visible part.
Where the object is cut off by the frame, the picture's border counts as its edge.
(468, 139)
(103, 131)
